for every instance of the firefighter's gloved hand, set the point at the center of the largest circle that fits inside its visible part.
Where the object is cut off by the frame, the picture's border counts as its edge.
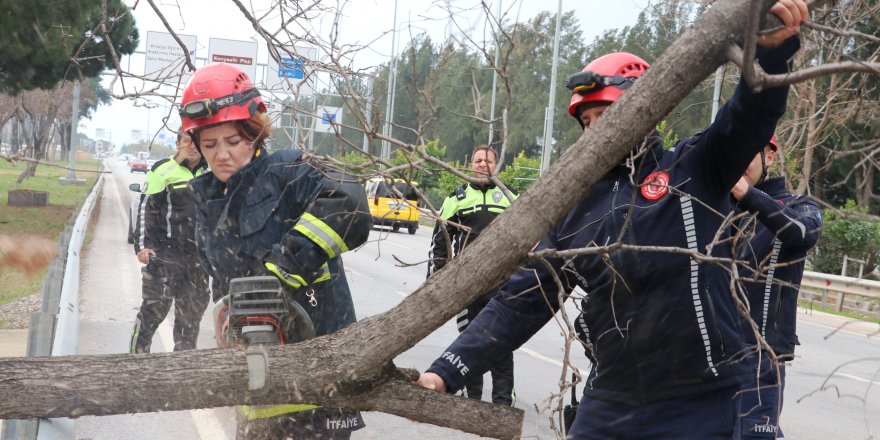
(296, 254)
(299, 280)
(297, 261)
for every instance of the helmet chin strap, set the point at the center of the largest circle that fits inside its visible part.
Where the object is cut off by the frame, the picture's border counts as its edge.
(764, 172)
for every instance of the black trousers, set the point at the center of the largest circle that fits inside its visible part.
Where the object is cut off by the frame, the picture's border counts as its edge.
(502, 370)
(184, 286)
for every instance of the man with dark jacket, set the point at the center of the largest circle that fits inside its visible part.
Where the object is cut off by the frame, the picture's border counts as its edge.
(784, 227)
(473, 206)
(661, 329)
(165, 232)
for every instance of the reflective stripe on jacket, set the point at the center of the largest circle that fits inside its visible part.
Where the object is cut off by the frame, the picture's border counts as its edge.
(166, 217)
(471, 206)
(787, 227)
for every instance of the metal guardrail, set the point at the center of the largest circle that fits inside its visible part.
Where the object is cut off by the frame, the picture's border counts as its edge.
(815, 281)
(53, 331)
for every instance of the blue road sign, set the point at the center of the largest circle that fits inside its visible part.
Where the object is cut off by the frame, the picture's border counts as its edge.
(327, 118)
(291, 68)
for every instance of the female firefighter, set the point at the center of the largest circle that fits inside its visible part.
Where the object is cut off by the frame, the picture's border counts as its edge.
(260, 214)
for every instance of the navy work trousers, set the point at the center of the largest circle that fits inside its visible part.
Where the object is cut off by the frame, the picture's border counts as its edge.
(709, 416)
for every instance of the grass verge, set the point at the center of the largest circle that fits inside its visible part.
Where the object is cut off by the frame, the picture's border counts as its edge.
(46, 222)
(820, 307)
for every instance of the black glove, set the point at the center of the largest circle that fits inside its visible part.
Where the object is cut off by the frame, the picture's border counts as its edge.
(308, 265)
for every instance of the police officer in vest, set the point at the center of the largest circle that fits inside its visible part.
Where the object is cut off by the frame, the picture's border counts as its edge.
(165, 243)
(662, 330)
(473, 206)
(781, 228)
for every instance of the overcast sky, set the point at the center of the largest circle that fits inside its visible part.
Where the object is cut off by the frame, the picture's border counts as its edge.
(364, 22)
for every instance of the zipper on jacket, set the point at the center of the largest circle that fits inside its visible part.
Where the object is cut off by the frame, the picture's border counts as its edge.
(777, 308)
(711, 304)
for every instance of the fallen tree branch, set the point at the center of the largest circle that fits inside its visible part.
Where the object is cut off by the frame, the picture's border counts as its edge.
(165, 382)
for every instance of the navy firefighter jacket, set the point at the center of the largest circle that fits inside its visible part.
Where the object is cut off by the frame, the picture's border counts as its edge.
(260, 215)
(787, 227)
(655, 325)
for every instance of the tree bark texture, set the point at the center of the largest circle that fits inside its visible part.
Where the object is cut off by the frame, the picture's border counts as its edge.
(353, 367)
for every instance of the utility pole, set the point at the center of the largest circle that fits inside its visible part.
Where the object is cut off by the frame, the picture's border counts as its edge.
(716, 94)
(368, 113)
(551, 105)
(392, 80)
(74, 139)
(494, 79)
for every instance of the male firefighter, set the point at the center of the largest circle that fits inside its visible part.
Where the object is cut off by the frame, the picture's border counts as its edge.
(784, 227)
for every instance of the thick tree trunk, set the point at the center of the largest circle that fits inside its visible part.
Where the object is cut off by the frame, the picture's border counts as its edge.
(330, 371)
(351, 368)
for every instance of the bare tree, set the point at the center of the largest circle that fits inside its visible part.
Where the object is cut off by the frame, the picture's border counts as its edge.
(830, 118)
(37, 114)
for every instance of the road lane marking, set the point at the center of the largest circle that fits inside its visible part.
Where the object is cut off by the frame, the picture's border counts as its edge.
(386, 241)
(837, 329)
(119, 204)
(860, 379)
(206, 421)
(548, 359)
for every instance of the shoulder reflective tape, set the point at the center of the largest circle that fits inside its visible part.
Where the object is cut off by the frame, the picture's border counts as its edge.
(264, 412)
(322, 234)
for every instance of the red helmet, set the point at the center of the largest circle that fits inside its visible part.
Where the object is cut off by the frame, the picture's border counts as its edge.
(774, 142)
(604, 80)
(218, 93)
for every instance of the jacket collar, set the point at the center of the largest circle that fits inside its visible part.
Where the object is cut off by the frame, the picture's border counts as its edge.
(773, 186)
(208, 187)
(644, 163)
(194, 168)
(483, 188)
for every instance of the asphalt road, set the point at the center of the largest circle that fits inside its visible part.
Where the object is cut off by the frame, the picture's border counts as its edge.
(387, 269)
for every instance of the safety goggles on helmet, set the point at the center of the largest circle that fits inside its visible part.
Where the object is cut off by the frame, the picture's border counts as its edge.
(205, 108)
(589, 82)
